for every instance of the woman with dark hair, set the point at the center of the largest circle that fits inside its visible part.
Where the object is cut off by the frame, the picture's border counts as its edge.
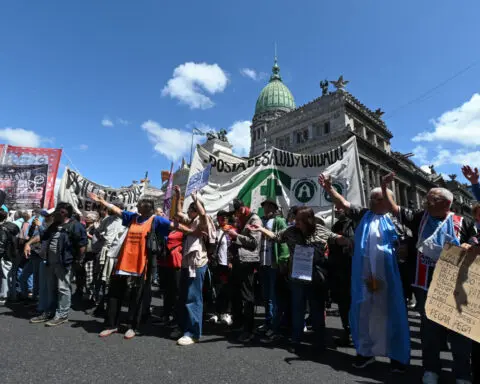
(307, 240)
(194, 267)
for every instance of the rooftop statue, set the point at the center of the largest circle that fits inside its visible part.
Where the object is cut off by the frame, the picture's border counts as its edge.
(324, 86)
(340, 83)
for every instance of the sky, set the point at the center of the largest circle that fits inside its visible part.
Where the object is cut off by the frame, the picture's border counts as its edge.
(119, 85)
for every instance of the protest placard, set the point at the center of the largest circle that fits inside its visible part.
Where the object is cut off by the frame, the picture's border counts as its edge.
(25, 186)
(454, 295)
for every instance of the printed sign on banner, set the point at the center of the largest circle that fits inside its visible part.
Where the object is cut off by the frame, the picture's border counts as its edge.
(74, 189)
(24, 185)
(197, 181)
(289, 178)
(454, 295)
(37, 156)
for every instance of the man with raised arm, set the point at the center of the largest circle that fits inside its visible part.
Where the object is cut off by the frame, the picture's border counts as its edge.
(378, 316)
(432, 228)
(134, 265)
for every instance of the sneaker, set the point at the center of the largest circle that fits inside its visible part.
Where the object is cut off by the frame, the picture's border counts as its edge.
(130, 334)
(186, 340)
(363, 361)
(270, 337)
(246, 337)
(430, 378)
(56, 321)
(41, 318)
(176, 333)
(108, 332)
(397, 367)
(262, 329)
(462, 381)
(213, 319)
(293, 348)
(226, 319)
(2, 301)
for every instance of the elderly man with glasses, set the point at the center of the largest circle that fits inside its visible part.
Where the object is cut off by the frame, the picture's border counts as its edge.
(432, 228)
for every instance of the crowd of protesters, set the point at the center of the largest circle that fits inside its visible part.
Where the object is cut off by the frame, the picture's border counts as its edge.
(218, 268)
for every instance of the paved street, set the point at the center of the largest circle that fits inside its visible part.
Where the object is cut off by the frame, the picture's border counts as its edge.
(73, 353)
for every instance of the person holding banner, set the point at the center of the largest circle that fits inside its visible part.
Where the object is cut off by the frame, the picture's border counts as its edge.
(134, 265)
(378, 315)
(432, 228)
(307, 242)
(194, 266)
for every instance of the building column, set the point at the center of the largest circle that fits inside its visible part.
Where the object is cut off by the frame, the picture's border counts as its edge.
(366, 178)
(394, 190)
(405, 195)
(397, 192)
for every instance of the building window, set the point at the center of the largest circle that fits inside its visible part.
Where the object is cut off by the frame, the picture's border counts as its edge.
(254, 135)
(326, 127)
(302, 136)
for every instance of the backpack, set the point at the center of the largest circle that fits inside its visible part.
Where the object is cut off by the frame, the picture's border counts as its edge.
(8, 231)
(156, 245)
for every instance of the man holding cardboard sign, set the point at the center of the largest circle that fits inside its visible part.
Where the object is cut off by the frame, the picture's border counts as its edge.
(432, 228)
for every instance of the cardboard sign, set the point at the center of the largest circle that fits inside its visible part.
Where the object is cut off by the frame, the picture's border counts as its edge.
(454, 295)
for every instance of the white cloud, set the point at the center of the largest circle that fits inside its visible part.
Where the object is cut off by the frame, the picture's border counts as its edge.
(171, 142)
(252, 74)
(82, 147)
(460, 125)
(106, 122)
(21, 137)
(122, 121)
(239, 136)
(425, 168)
(191, 81)
(420, 153)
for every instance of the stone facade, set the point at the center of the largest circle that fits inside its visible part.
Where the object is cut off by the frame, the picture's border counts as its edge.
(330, 120)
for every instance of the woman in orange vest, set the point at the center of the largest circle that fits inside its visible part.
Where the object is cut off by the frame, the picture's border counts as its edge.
(134, 266)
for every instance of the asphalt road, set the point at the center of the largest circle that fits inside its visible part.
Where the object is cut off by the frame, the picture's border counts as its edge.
(73, 353)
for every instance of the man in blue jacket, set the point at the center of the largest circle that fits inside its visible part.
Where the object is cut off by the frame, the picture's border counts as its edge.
(66, 241)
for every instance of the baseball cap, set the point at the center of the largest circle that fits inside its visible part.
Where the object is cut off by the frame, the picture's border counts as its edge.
(270, 201)
(47, 212)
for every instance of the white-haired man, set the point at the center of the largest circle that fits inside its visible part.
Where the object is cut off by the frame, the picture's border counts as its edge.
(378, 315)
(431, 228)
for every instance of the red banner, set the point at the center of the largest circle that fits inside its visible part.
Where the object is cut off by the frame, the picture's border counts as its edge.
(37, 156)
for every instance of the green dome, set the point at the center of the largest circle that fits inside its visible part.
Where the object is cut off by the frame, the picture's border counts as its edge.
(275, 95)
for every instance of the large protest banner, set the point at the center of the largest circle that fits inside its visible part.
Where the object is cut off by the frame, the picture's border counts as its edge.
(74, 189)
(25, 185)
(289, 178)
(37, 156)
(454, 295)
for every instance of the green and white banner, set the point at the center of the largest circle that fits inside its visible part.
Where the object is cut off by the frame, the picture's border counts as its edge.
(289, 178)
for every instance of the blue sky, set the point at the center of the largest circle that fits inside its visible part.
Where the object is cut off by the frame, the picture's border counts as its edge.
(67, 67)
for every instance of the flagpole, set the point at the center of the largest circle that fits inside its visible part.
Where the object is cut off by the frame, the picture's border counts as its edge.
(191, 148)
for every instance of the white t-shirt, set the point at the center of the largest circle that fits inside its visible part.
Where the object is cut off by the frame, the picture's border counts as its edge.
(222, 248)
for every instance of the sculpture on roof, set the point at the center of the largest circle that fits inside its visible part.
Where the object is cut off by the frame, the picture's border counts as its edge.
(432, 169)
(452, 176)
(221, 135)
(379, 112)
(324, 87)
(340, 83)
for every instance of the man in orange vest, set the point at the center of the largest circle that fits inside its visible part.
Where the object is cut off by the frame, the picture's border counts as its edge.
(134, 266)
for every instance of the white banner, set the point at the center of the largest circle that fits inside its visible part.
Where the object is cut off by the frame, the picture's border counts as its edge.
(74, 189)
(289, 178)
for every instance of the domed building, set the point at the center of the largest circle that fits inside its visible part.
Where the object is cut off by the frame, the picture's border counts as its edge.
(330, 120)
(275, 100)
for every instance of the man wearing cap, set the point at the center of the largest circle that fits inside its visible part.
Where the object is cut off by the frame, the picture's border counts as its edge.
(273, 259)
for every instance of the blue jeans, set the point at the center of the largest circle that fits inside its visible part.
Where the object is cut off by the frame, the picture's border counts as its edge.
(192, 300)
(58, 281)
(28, 278)
(301, 292)
(269, 279)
